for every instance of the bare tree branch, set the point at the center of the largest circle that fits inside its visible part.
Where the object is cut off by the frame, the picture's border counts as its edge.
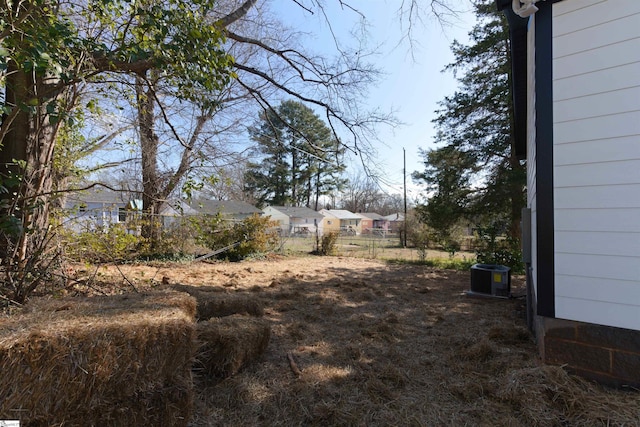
(236, 14)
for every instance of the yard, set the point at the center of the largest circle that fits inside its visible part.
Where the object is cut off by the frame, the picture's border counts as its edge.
(363, 342)
(368, 246)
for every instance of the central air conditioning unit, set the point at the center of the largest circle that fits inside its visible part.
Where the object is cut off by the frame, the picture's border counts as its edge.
(490, 280)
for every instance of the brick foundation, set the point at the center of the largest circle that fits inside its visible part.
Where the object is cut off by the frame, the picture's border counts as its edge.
(602, 353)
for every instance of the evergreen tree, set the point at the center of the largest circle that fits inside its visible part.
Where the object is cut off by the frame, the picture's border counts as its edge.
(300, 158)
(448, 175)
(475, 173)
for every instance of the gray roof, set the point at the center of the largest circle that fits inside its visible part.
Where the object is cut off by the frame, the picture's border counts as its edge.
(343, 214)
(395, 217)
(100, 194)
(372, 215)
(177, 208)
(298, 212)
(224, 207)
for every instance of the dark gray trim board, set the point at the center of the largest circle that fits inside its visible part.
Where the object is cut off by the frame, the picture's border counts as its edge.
(545, 264)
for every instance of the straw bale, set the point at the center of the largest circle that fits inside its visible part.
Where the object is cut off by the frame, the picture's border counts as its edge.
(228, 344)
(121, 360)
(212, 302)
(227, 305)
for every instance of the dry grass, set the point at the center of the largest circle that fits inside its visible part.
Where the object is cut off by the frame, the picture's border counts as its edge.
(396, 345)
(123, 360)
(377, 344)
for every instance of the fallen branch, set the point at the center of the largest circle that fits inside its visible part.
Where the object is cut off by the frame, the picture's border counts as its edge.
(10, 301)
(124, 276)
(293, 365)
(216, 252)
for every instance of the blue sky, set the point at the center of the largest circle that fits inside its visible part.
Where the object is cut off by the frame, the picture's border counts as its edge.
(413, 83)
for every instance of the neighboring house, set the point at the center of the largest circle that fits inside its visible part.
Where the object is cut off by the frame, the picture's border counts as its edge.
(395, 221)
(577, 114)
(349, 222)
(172, 213)
(366, 223)
(228, 209)
(330, 223)
(295, 220)
(98, 208)
(379, 224)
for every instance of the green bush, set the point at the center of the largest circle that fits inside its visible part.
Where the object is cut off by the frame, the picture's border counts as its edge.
(252, 236)
(328, 243)
(451, 246)
(495, 248)
(114, 244)
(419, 235)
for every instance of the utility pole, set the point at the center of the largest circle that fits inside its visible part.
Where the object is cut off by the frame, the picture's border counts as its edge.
(404, 223)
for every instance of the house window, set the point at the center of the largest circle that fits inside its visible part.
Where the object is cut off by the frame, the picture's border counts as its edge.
(122, 214)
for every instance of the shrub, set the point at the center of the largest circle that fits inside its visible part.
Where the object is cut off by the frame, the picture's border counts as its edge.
(114, 244)
(451, 246)
(495, 248)
(328, 243)
(253, 235)
(419, 235)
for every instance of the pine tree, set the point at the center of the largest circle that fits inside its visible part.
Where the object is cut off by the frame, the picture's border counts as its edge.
(475, 174)
(300, 158)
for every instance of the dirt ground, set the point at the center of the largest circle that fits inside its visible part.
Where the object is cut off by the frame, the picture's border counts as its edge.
(357, 342)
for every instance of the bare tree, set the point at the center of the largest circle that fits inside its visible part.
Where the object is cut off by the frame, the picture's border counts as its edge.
(363, 193)
(271, 63)
(170, 51)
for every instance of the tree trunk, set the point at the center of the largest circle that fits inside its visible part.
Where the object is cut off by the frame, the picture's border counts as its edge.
(308, 192)
(294, 179)
(149, 150)
(26, 154)
(317, 193)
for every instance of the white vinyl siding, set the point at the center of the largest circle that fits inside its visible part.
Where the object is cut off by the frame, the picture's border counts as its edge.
(604, 243)
(618, 220)
(621, 172)
(607, 150)
(599, 312)
(573, 285)
(598, 81)
(597, 266)
(596, 197)
(618, 125)
(601, 104)
(596, 66)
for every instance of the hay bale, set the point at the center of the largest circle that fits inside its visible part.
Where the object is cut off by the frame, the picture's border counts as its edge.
(228, 344)
(211, 302)
(122, 360)
(226, 305)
